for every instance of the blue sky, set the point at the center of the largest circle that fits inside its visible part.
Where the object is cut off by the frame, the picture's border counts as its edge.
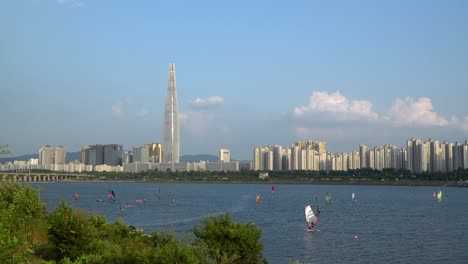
(249, 73)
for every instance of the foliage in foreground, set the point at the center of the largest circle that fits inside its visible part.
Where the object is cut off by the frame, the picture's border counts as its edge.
(20, 210)
(70, 236)
(230, 242)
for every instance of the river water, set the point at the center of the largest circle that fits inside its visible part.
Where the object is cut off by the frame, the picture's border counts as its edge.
(385, 224)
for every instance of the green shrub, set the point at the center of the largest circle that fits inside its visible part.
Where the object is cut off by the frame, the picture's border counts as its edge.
(230, 242)
(19, 204)
(70, 231)
(84, 259)
(173, 252)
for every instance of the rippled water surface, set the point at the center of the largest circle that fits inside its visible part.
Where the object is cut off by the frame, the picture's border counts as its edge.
(392, 224)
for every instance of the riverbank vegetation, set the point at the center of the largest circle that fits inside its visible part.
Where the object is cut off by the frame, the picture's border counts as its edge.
(359, 176)
(28, 234)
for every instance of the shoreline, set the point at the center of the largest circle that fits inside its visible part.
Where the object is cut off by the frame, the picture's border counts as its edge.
(289, 182)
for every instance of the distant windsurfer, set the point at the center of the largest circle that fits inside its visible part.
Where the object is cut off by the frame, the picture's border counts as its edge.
(111, 195)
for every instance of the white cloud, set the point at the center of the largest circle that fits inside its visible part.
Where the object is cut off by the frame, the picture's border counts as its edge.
(408, 111)
(117, 109)
(337, 105)
(210, 101)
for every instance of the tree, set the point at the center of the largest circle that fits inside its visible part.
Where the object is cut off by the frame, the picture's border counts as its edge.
(230, 242)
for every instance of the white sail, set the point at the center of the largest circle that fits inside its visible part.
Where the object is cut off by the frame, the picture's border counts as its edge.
(353, 196)
(310, 217)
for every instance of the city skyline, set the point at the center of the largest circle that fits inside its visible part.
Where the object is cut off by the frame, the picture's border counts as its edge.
(344, 73)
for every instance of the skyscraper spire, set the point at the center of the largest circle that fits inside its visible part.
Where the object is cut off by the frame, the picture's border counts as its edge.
(171, 121)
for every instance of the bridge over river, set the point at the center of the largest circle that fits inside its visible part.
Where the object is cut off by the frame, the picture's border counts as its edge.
(44, 177)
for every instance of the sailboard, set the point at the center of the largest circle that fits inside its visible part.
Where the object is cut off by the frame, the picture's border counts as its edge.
(272, 189)
(439, 196)
(257, 198)
(328, 197)
(311, 219)
(353, 196)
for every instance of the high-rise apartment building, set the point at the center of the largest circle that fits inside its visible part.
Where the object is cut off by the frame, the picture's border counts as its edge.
(49, 155)
(46, 155)
(59, 155)
(171, 120)
(102, 154)
(363, 155)
(141, 154)
(224, 155)
(127, 157)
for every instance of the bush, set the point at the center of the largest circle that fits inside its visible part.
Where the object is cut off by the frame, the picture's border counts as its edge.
(70, 231)
(230, 242)
(19, 205)
(169, 250)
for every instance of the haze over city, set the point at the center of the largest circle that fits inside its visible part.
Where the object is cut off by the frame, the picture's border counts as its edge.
(248, 73)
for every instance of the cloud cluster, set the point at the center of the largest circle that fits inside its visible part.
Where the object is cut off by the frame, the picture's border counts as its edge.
(334, 108)
(210, 101)
(337, 105)
(408, 111)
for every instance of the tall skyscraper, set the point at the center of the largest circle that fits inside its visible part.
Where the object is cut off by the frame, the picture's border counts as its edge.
(171, 121)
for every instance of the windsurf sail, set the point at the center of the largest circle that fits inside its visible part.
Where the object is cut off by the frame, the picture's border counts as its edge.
(328, 197)
(353, 196)
(257, 198)
(439, 196)
(273, 189)
(311, 219)
(111, 195)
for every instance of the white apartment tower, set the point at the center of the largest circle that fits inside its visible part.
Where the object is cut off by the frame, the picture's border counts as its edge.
(46, 155)
(59, 155)
(224, 155)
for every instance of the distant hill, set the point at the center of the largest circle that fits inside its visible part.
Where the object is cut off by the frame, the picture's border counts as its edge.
(71, 156)
(198, 157)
